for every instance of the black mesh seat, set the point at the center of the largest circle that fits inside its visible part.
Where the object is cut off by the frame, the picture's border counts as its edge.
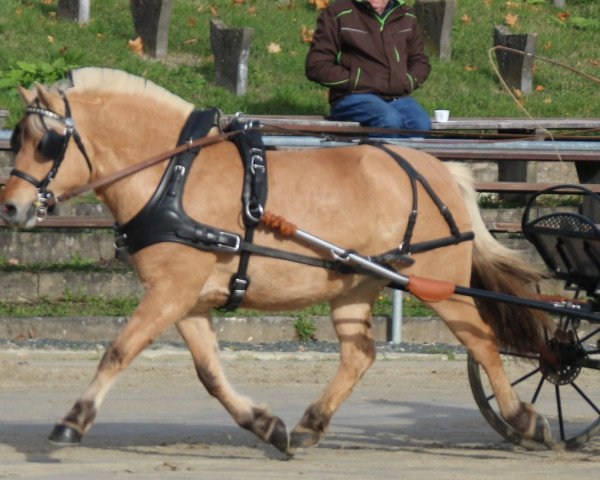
(569, 244)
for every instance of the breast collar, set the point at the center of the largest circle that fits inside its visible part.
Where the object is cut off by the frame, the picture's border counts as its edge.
(164, 219)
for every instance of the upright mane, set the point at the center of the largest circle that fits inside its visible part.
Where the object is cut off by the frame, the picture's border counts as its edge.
(109, 79)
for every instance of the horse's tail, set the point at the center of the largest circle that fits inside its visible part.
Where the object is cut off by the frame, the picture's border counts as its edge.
(500, 269)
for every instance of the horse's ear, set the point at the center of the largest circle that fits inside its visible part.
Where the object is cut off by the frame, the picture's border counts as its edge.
(28, 96)
(51, 100)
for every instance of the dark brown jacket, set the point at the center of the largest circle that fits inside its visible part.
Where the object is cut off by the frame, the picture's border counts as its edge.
(356, 51)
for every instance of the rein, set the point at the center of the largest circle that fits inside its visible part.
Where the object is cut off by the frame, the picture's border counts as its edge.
(120, 174)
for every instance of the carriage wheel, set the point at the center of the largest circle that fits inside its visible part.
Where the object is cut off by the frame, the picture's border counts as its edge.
(567, 395)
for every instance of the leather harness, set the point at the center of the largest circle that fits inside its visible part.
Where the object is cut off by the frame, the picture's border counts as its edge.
(163, 218)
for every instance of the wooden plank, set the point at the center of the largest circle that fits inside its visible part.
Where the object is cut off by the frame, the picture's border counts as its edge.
(503, 227)
(527, 187)
(455, 123)
(73, 222)
(498, 123)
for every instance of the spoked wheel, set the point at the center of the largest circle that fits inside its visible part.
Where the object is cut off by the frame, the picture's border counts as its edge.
(566, 393)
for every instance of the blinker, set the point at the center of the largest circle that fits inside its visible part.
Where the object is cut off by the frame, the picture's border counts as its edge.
(15, 139)
(53, 145)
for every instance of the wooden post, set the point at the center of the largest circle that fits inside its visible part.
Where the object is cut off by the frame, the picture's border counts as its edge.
(589, 172)
(516, 69)
(231, 49)
(76, 10)
(436, 18)
(151, 20)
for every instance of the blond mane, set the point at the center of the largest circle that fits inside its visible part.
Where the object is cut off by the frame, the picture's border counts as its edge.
(108, 79)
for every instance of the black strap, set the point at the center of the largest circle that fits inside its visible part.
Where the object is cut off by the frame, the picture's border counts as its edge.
(415, 177)
(254, 196)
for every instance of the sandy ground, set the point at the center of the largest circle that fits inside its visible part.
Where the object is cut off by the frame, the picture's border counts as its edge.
(411, 417)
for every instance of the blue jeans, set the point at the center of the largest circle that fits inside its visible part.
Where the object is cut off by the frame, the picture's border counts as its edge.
(403, 113)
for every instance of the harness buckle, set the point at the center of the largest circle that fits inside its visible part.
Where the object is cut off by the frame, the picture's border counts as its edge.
(121, 241)
(257, 162)
(230, 248)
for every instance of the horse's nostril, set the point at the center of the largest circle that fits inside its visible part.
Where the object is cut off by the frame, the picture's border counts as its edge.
(8, 210)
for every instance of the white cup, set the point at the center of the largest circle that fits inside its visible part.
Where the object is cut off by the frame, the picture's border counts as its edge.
(441, 116)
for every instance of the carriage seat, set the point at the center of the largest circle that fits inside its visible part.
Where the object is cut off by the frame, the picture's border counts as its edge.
(569, 244)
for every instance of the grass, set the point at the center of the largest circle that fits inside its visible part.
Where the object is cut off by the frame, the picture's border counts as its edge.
(85, 305)
(31, 32)
(72, 304)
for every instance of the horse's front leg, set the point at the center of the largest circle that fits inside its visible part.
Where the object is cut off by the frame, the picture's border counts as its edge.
(202, 342)
(156, 312)
(352, 322)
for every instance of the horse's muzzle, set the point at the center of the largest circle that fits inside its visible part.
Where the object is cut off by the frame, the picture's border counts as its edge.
(15, 215)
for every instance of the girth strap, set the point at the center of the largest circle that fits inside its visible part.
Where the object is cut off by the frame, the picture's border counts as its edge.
(254, 196)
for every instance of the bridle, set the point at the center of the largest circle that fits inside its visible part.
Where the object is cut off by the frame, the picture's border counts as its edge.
(52, 146)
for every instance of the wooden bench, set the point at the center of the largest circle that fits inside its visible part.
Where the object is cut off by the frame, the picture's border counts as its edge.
(444, 151)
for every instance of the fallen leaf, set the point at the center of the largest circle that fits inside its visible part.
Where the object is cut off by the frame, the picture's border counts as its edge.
(274, 48)
(511, 19)
(540, 88)
(214, 11)
(518, 93)
(136, 46)
(548, 45)
(63, 49)
(319, 4)
(306, 34)
(190, 41)
(50, 39)
(594, 63)
(239, 2)
(191, 22)
(466, 19)
(471, 68)
(252, 10)
(513, 4)
(19, 12)
(563, 16)
(48, 2)
(101, 36)
(548, 100)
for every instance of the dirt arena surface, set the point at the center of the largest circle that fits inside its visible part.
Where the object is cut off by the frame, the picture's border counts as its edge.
(412, 417)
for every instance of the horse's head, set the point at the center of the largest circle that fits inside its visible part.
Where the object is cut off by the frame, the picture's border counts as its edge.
(44, 154)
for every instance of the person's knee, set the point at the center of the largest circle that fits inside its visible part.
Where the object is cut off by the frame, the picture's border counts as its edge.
(422, 122)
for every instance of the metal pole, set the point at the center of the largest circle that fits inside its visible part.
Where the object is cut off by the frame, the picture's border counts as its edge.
(397, 303)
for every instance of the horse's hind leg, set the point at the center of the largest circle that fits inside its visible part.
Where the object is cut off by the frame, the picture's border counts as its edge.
(202, 342)
(352, 322)
(462, 317)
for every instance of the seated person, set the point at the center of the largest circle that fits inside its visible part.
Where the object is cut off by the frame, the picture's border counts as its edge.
(370, 54)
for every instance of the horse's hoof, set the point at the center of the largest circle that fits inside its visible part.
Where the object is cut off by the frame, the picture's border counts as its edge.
(63, 435)
(280, 437)
(542, 433)
(304, 440)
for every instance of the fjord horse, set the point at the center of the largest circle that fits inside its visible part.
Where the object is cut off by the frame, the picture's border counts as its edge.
(355, 196)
